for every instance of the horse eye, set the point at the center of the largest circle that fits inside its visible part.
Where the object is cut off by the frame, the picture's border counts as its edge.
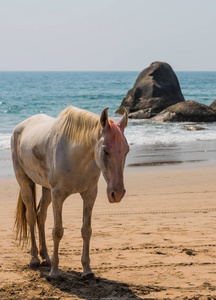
(105, 151)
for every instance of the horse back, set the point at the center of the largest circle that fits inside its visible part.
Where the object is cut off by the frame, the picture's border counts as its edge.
(29, 147)
(40, 150)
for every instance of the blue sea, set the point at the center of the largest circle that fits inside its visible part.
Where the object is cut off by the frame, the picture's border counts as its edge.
(23, 94)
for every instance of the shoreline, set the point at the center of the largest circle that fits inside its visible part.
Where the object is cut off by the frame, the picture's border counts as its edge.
(200, 153)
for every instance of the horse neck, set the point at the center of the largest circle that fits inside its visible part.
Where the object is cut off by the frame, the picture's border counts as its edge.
(87, 151)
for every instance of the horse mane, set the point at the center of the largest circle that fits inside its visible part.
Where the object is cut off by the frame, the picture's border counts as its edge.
(79, 126)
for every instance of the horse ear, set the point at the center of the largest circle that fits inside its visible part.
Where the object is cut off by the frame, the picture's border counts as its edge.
(104, 117)
(124, 120)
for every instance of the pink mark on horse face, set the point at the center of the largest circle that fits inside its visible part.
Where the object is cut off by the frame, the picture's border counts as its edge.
(115, 149)
(114, 140)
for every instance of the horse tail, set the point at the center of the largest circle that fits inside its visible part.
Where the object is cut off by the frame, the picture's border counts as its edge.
(21, 228)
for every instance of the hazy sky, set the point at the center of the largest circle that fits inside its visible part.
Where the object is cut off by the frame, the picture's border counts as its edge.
(107, 34)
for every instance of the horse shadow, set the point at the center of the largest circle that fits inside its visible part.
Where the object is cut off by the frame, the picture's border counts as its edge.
(90, 287)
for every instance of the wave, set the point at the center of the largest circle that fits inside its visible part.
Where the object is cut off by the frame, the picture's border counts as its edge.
(151, 133)
(5, 141)
(148, 133)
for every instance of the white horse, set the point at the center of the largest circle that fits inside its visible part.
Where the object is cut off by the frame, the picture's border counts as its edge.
(65, 155)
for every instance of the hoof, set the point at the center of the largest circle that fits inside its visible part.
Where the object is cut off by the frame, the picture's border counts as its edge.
(46, 263)
(88, 276)
(55, 276)
(34, 263)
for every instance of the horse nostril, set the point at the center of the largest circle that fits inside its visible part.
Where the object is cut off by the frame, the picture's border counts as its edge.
(113, 195)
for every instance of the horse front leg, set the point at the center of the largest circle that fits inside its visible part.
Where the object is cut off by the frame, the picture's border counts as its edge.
(57, 233)
(88, 203)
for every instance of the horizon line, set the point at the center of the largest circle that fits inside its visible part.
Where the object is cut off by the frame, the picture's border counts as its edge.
(99, 70)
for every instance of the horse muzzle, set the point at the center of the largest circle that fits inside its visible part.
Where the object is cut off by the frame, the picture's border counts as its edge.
(115, 196)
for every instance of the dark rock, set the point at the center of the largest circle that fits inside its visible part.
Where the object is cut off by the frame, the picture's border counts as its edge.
(213, 105)
(155, 89)
(187, 111)
(142, 114)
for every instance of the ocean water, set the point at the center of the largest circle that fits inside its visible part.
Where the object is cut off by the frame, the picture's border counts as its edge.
(23, 94)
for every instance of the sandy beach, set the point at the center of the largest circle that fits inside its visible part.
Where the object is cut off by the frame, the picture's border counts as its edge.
(158, 243)
(84, 80)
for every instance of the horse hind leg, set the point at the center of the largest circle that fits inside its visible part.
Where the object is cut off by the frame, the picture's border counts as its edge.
(28, 214)
(41, 218)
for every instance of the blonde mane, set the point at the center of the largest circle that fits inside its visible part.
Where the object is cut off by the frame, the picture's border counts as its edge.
(79, 126)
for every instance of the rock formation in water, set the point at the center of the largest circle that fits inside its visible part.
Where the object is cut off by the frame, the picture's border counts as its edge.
(155, 89)
(187, 111)
(213, 105)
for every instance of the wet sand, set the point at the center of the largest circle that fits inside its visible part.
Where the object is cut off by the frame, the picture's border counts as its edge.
(158, 243)
(202, 152)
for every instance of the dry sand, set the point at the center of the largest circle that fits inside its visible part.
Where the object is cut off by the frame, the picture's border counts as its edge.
(158, 243)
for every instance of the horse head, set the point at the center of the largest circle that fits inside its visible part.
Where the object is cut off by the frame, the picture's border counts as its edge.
(110, 154)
